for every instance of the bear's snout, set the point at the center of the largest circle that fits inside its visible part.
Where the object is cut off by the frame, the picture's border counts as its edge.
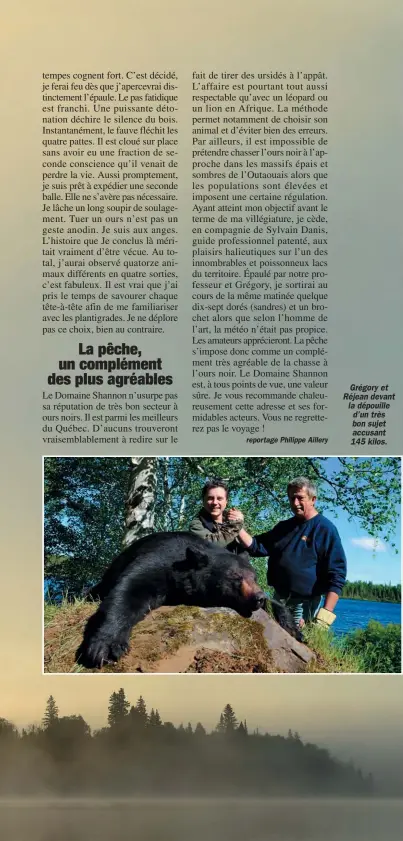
(260, 599)
(251, 591)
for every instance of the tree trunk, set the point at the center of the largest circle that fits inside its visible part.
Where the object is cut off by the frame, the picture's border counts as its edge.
(140, 500)
(182, 513)
(166, 495)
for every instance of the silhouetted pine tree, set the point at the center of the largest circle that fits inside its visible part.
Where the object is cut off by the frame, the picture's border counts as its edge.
(141, 709)
(138, 719)
(242, 729)
(230, 722)
(220, 727)
(154, 719)
(118, 707)
(51, 713)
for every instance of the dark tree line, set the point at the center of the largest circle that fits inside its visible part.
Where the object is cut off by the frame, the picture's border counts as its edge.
(137, 754)
(372, 592)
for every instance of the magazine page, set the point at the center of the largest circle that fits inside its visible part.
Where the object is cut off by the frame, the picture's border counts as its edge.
(202, 418)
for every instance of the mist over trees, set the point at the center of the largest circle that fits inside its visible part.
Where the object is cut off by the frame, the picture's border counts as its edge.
(96, 506)
(137, 753)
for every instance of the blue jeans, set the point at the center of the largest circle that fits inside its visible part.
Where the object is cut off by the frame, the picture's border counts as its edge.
(305, 609)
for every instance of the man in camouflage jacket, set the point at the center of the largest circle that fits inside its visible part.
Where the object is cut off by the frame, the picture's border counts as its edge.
(214, 522)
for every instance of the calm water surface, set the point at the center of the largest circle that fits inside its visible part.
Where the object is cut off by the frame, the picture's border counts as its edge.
(201, 820)
(354, 613)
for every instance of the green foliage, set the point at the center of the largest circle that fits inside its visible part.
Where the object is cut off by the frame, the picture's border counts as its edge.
(372, 592)
(258, 486)
(84, 520)
(369, 489)
(260, 565)
(378, 646)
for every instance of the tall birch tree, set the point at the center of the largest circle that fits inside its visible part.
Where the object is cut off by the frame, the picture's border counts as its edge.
(140, 500)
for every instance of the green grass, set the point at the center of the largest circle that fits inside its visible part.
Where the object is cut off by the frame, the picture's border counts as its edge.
(260, 567)
(378, 646)
(375, 649)
(51, 610)
(330, 652)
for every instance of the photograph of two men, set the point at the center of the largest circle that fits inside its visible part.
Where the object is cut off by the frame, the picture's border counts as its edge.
(222, 565)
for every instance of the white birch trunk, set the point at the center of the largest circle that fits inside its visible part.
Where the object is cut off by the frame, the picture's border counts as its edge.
(140, 501)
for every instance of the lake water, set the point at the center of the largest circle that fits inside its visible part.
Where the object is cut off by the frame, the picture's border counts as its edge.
(202, 820)
(354, 613)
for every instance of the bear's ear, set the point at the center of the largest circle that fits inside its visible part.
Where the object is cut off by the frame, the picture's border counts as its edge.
(194, 559)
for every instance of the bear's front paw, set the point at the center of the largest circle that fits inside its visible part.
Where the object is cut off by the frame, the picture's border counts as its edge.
(96, 652)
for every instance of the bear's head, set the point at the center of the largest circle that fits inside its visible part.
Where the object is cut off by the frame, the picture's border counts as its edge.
(214, 577)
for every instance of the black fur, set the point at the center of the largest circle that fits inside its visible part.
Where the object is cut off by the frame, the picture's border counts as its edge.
(284, 618)
(167, 568)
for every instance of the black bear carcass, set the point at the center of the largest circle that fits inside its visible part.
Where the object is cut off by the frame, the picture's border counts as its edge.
(168, 568)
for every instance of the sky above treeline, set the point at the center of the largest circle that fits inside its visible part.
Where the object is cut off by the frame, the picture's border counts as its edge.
(368, 559)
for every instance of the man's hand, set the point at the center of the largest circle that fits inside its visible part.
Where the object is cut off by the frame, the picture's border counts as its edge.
(235, 516)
